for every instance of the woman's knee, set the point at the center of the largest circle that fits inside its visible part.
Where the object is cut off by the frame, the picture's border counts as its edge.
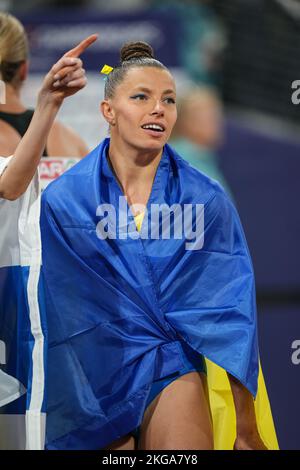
(193, 440)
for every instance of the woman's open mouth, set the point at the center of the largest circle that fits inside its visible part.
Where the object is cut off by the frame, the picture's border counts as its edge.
(155, 130)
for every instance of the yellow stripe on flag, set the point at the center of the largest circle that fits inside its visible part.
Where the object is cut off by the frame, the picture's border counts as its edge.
(223, 411)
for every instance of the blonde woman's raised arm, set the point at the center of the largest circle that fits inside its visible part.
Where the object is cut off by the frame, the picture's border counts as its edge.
(65, 78)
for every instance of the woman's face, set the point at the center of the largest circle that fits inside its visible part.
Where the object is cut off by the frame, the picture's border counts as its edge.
(146, 97)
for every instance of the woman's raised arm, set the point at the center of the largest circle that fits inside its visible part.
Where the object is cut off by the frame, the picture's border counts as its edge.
(65, 78)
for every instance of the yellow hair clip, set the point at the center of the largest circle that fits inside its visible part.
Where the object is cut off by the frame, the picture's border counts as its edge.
(106, 69)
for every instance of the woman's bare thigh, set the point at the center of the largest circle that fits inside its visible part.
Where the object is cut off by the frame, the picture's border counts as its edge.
(179, 417)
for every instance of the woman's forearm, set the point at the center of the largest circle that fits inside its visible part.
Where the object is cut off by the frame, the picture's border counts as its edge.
(247, 434)
(22, 168)
(244, 407)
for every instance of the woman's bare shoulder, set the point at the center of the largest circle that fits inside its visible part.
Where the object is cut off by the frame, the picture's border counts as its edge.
(9, 139)
(65, 142)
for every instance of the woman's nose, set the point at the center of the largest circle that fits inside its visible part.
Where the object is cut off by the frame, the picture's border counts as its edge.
(158, 107)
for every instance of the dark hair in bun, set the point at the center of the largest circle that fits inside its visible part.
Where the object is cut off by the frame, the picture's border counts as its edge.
(132, 54)
(135, 50)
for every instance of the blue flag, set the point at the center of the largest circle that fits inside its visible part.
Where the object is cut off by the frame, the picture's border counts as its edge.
(119, 302)
(22, 328)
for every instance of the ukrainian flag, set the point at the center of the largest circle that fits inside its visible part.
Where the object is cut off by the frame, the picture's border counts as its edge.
(222, 405)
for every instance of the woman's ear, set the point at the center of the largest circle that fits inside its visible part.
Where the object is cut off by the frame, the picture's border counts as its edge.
(108, 112)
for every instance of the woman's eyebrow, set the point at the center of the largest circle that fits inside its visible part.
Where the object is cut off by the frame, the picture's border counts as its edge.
(150, 91)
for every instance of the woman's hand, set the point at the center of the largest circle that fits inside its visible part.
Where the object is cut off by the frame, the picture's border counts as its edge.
(248, 437)
(250, 441)
(67, 76)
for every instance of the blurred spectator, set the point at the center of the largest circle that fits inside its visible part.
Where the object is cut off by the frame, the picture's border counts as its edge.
(202, 41)
(198, 131)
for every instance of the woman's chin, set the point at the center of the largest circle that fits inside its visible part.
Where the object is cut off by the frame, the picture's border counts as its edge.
(146, 144)
(153, 143)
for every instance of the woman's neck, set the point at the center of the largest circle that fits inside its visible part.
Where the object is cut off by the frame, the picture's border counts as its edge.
(13, 100)
(135, 170)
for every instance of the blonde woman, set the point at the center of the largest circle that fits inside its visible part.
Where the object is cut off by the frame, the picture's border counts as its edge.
(65, 78)
(14, 116)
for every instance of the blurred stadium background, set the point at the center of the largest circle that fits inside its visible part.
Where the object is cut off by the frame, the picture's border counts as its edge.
(248, 52)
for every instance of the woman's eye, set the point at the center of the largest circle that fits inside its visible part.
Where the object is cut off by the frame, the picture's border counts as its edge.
(139, 96)
(171, 100)
(144, 97)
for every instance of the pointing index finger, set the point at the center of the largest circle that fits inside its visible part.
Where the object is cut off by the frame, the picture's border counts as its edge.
(82, 46)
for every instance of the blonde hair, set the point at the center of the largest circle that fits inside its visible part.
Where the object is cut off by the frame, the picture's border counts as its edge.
(13, 46)
(196, 94)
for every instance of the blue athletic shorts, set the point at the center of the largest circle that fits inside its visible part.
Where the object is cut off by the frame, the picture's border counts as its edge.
(193, 362)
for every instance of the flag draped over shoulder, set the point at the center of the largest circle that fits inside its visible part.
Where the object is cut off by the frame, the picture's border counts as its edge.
(22, 328)
(119, 307)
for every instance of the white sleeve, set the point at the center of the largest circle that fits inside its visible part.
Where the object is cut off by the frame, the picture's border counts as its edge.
(4, 161)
